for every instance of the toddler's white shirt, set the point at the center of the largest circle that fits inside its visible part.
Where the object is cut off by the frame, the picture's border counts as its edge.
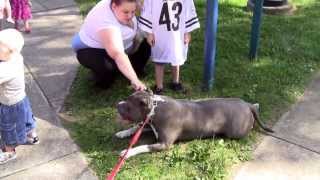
(12, 84)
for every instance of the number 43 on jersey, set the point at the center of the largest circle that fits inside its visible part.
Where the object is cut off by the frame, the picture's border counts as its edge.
(176, 9)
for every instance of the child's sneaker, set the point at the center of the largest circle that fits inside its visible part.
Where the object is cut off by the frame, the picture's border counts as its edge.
(176, 86)
(7, 156)
(157, 91)
(32, 138)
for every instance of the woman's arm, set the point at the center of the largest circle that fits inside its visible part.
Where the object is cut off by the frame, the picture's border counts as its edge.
(112, 41)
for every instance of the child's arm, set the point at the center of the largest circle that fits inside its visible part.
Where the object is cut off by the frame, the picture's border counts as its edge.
(187, 38)
(8, 11)
(150, 39)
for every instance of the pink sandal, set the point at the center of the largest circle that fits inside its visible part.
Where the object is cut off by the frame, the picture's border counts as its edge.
(27, 30)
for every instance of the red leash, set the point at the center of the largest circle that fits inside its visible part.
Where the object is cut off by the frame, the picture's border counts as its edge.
(121, 160)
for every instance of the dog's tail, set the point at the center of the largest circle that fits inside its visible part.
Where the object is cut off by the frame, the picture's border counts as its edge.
(254, 109)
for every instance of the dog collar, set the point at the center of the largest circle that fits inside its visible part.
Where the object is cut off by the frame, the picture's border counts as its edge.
(154, 103)
(154, 130)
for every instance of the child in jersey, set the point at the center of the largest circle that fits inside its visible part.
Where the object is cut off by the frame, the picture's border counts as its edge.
(168, 25)
(17, 124)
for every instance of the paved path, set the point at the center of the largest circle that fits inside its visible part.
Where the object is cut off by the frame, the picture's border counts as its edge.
(294, 151)
(50, 67)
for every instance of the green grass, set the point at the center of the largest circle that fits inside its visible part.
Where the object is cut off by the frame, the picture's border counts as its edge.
(288, 58)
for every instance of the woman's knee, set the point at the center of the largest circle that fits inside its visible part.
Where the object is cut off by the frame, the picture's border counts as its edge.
(91, 58)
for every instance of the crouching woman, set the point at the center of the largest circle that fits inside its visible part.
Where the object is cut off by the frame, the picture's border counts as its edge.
(109, 43)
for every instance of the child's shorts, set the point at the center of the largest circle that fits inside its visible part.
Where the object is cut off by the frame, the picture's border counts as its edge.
(15, 122)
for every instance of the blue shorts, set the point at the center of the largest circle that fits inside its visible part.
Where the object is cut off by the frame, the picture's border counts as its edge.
(77, 44)
(15, 122)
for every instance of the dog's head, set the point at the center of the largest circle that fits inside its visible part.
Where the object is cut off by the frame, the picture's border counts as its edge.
(136, 107)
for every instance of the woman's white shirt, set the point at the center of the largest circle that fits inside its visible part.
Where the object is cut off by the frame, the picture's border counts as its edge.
(102, 17)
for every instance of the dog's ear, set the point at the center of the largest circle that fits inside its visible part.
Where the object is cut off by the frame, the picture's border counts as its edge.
(145, 103)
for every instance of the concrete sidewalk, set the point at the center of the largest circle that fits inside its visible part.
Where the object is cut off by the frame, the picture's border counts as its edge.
(293, 153)
(50, 67)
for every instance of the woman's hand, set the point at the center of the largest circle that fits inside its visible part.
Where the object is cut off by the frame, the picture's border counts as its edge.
(113, 44)
(138, 85)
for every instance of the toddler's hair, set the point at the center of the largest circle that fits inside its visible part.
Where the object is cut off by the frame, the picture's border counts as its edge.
(12, 39)
(119, 2)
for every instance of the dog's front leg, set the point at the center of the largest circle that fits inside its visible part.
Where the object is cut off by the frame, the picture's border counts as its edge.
(130, 131)
(127, 132)
(145, 149)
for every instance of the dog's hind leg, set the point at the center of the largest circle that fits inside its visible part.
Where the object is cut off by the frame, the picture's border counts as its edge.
(145, 149)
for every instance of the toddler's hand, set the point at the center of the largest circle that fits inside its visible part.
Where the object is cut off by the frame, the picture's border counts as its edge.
(187, 38)
(150, 39)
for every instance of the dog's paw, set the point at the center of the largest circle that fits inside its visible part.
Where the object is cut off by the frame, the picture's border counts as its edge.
(123, 152)
(122, 134)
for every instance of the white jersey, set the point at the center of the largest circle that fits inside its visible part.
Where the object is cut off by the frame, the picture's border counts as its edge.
(12, 87)
(169, 20)
(101, 17)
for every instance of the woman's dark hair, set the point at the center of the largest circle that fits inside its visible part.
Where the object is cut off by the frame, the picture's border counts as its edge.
(119, 2)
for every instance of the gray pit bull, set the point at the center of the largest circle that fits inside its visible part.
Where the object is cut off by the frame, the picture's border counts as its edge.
(174, 120)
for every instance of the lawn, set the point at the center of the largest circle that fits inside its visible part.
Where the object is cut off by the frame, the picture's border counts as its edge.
(288, 58)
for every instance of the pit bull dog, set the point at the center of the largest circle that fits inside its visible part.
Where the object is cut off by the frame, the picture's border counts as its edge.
(174, 120)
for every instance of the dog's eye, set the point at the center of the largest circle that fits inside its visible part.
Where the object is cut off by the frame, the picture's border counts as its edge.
(142, 103)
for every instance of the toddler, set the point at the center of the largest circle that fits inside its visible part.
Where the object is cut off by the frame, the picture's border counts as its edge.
(17, 124)
(168, 24)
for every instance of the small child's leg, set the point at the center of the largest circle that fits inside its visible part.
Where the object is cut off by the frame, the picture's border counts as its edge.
(16, 25)
(27, 28)
(175, 71)
(175, 84)
(30, 124)
(159, 71)
(8, 148)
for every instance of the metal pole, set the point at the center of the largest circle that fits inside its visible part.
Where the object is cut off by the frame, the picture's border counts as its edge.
(255, 28)
(210, 43)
